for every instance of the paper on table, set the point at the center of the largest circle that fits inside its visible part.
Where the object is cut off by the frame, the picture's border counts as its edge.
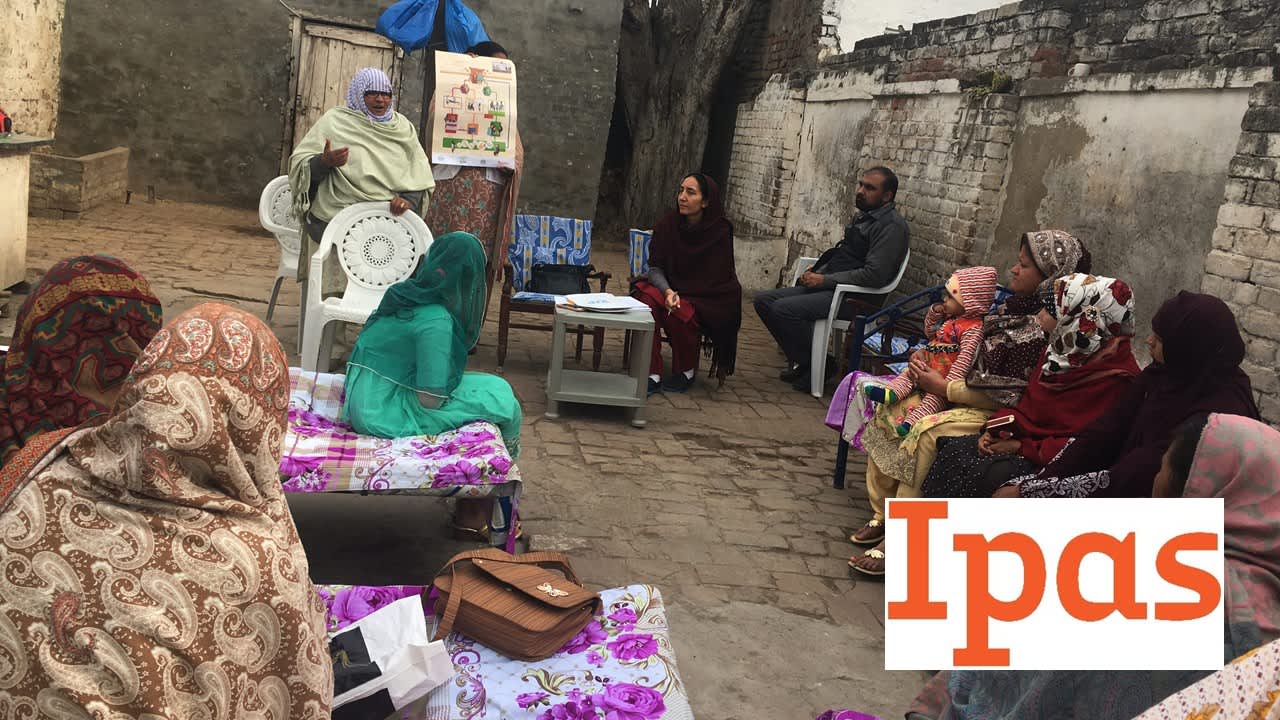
(605, 302)
(397, 640)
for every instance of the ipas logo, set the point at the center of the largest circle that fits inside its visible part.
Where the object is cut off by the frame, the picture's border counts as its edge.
(1062, 584)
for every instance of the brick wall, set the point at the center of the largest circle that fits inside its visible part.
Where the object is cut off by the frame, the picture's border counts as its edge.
(66, 187)
(950, 154)
(1244, 266)
(1042, 38)
(30, 47)
(783, 36)
(766, 142)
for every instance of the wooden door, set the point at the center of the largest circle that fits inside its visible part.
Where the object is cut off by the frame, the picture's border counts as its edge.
(325, 59)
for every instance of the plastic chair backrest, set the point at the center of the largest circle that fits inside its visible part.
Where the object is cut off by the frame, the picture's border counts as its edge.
(902, 270)
(275, 212)
(546, 239)
(376, 249)
(638, 254)
(802, 264)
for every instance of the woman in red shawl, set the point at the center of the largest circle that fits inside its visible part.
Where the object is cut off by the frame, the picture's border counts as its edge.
(1196, 351)
(692, 286)
(77, 336)
(1088, 364)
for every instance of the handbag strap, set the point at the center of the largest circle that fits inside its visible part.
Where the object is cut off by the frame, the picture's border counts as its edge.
(556, 560)
(552, 559)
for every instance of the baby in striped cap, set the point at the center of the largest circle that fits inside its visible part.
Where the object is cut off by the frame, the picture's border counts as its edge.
(954, 327)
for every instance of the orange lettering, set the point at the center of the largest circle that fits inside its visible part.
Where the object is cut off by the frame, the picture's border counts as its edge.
(983, 607)
(1123, 578)
(917, 606)
(1191, 578)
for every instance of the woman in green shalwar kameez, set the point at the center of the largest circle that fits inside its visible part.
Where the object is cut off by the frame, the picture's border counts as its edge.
(407, 374)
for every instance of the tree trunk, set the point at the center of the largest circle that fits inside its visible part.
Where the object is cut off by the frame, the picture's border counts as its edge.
(672, 56)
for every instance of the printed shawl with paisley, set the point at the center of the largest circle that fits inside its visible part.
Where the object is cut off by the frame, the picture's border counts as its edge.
(77, 336)
(149, 566)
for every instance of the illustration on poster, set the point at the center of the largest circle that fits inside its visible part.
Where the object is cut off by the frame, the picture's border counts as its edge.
(477, 104)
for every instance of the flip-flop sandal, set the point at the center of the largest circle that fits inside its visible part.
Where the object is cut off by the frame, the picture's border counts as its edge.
(874, 554)
(873, 540)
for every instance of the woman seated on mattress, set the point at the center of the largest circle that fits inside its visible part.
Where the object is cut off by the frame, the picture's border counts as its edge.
(407, 375)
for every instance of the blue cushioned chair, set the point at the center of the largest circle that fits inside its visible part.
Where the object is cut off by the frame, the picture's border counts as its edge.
(544, 239)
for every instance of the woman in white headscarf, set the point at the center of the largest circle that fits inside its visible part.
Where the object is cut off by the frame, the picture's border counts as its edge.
(364, 151)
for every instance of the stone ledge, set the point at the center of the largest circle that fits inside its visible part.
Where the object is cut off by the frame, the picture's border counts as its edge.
(1209, 78)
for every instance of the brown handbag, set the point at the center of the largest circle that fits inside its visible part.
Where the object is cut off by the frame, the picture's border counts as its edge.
(511, 604)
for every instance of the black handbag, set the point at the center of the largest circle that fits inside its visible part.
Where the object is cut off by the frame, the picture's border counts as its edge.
(560, 279)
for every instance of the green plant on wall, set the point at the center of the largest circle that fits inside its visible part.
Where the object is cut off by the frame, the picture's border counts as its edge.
(988, 82)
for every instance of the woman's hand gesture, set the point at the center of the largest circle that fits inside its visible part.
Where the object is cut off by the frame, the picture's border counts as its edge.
(399, 205)
(333, 158)
(673, 299)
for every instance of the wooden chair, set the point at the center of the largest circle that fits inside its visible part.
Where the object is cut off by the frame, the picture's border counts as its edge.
(552, 240)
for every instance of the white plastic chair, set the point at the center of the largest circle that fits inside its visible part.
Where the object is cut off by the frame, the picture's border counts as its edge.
(824, 329)
(275, 212)
(376, 250)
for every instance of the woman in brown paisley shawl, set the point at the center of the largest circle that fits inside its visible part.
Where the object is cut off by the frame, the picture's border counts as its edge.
(148, 563)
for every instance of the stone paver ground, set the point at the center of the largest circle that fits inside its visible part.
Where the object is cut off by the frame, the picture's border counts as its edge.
(724, 501)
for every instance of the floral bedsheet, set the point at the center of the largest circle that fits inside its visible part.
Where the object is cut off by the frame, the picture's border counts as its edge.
(620, 667)
(322, 454)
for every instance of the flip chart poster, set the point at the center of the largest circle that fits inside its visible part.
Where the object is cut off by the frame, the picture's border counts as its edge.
(475, 112)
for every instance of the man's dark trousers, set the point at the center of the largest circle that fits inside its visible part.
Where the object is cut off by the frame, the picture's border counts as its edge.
(789, 313)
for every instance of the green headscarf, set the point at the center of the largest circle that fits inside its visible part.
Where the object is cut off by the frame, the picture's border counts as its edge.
(444, 302)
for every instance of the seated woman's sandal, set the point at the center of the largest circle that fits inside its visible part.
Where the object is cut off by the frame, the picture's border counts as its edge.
(870, 534)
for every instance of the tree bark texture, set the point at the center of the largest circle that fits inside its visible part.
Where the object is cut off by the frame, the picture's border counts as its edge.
(672, 56)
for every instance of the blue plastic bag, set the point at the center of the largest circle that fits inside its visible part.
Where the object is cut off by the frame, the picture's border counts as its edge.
(409, 24)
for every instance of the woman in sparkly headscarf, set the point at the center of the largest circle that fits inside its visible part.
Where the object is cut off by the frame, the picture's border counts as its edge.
(364, 151)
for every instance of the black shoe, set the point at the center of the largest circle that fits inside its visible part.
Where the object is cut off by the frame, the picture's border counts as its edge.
(793, 372)
(654, 387)
(677, 383)
(802, 383)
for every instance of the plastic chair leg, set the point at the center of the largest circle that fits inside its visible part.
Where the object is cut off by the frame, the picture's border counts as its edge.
(310, 343)
(818, 358)
(597, 347)
(302, 313)
(842, 461)
(326, 346)
(275, 293)
(626, 350)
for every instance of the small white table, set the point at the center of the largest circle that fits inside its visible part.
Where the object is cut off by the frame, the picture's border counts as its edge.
(601, 388)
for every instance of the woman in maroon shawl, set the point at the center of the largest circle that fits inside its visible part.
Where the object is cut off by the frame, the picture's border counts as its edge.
(692, 286)
(1196, 351)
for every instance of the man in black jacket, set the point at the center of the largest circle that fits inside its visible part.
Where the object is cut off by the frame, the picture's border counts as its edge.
(874, 246)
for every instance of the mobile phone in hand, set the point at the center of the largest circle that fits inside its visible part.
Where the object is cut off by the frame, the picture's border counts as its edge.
(1001, 427)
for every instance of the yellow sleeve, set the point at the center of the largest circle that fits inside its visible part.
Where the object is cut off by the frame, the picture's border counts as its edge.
(959, 393)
